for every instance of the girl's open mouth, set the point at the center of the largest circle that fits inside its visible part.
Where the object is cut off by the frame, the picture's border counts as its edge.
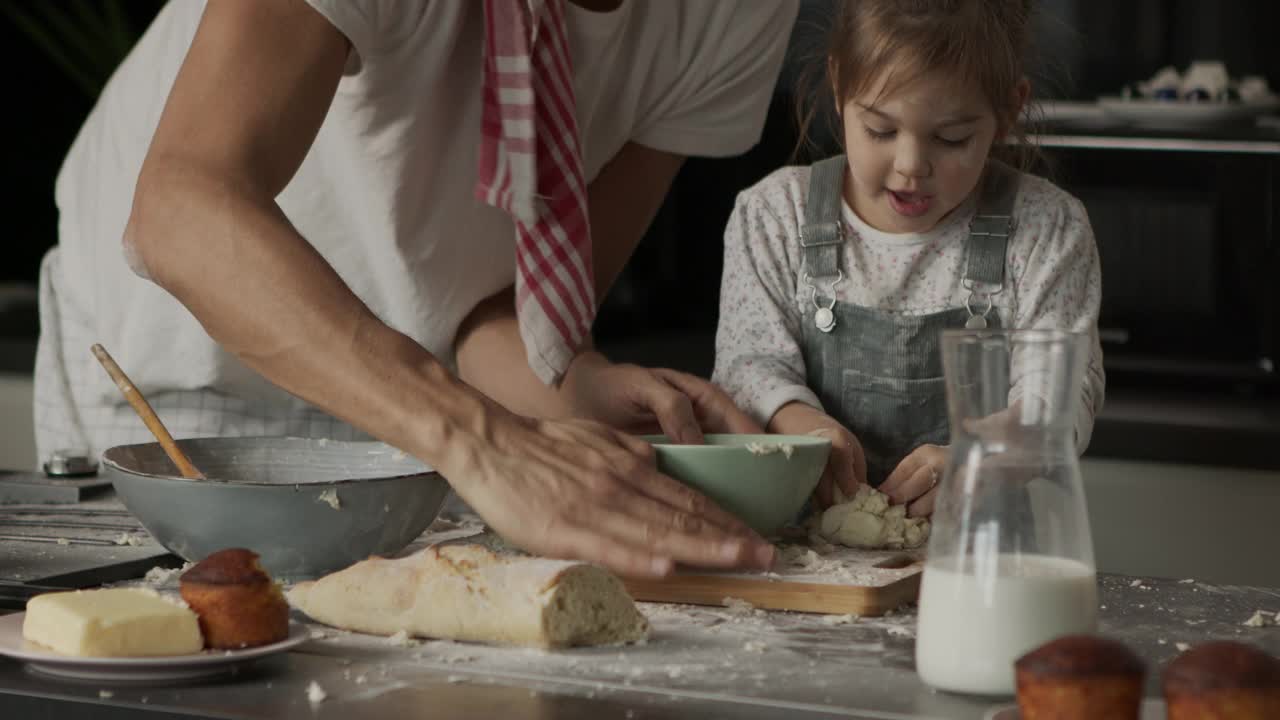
(910, 204)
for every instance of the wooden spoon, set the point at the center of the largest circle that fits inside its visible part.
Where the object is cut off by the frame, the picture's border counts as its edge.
(149, 417)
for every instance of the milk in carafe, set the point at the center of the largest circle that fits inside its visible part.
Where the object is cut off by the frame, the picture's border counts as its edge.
(974, 626)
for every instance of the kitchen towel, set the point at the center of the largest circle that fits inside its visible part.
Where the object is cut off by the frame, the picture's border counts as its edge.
(530, 165)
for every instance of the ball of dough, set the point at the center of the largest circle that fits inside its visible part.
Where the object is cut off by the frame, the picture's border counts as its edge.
(869, 521)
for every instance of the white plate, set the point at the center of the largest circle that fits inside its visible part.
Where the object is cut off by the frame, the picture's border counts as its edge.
(133, 669)
(1152, 709)
(1175, 114)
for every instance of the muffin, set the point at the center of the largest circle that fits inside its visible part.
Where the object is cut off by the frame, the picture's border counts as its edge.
(1221, 681)
(1079, 677)
(238, 604)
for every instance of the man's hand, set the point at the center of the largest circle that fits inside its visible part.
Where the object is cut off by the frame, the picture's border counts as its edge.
(578, 489)
(846, 467)
(915, 480)
(647, 400)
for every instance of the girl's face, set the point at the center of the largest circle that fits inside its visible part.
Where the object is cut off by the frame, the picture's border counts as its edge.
(915, 153)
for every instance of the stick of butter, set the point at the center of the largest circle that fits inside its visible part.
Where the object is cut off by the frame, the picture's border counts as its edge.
(118, 622)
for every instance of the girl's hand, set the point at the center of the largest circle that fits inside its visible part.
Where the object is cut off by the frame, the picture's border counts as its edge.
(916, 478)
(847, 465)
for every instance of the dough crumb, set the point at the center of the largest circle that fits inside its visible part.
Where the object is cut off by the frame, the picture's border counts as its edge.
(757, 448)
(128, 539)
(738, 606)
(754, 646)
(1136, 583)
(839, 619)
(401, 639)
(1182, 647)
(1188, 581)
(105, 694)
(315, 693)
(330, 496)
(900, 631)
(158, 576)
(63, 541)
(1262, 619)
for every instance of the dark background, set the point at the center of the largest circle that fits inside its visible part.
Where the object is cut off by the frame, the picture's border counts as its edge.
(663, 308)
(1086, 48)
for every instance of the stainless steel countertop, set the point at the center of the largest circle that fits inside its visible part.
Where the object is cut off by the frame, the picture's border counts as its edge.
(700, 662)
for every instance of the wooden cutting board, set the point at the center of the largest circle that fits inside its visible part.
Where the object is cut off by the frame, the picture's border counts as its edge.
(844, 581)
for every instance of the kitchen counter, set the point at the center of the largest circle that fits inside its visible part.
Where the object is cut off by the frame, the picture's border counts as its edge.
(700, 662)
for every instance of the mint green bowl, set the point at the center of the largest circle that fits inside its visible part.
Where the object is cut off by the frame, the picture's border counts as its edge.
(766, 488)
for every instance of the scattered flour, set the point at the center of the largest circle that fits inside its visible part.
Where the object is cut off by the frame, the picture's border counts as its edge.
(738, 606)
(63, 541)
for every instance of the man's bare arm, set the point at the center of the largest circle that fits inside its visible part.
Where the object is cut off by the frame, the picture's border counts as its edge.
(252, 93)
(623, 200)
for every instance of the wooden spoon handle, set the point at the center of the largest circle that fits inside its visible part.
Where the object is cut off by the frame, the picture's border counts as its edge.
(149, 417)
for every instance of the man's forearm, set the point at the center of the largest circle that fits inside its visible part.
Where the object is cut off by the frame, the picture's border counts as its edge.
(263, 293)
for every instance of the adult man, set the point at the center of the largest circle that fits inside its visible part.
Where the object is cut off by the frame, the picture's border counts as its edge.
(305, 192)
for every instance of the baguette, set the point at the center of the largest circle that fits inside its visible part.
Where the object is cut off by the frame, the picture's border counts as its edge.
(468, 593)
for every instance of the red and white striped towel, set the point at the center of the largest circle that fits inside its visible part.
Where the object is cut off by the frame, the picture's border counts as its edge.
(531, 166)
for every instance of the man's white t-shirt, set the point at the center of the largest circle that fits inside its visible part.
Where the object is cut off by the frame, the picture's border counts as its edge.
(385, 193)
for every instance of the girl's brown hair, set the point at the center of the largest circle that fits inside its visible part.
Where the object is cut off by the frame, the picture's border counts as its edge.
(981, 43)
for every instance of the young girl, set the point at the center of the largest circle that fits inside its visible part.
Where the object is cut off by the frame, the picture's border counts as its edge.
(839, 277)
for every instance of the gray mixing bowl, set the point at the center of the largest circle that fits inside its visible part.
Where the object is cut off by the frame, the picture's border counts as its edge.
(277, 496)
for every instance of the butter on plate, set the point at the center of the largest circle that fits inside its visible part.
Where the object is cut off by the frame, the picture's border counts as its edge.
(117, 622)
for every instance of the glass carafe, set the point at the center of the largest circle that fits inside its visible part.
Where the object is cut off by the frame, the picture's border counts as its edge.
(1010, 563)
